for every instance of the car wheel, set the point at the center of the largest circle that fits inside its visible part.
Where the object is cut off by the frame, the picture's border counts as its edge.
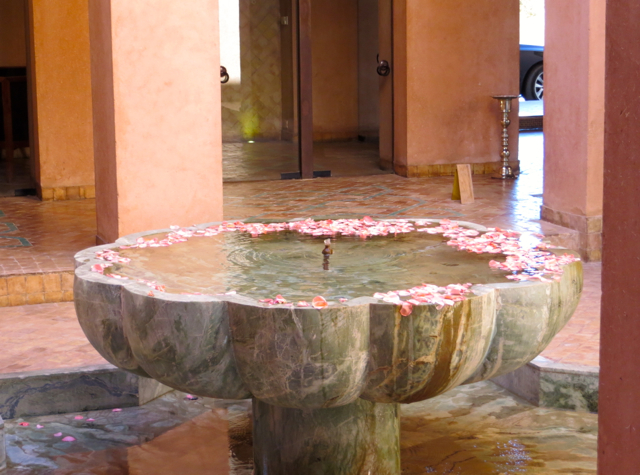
(534, 84)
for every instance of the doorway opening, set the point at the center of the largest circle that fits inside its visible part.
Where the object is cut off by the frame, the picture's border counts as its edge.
(16, 174)
(263, 87)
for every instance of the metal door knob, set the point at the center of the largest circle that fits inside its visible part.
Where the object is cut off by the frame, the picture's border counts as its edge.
(224, 75)
(383, 68)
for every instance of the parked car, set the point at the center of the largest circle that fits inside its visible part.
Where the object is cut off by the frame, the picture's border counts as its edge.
(531, 72)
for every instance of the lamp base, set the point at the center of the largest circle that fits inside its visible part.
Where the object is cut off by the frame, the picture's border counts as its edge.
(506, 173)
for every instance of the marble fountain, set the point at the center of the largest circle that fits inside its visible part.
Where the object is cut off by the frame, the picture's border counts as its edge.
(328, 345)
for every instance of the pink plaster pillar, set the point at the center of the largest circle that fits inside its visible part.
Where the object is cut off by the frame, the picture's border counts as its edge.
(619, 397)
(450, 58)
(574, 119)
(156, 106)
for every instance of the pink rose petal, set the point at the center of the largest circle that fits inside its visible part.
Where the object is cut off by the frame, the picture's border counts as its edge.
(79, 418)
(24, 424)
(406, 309)
(68, 439)
(319, 302)
(117, 409)
(39, 426)
(58, 434)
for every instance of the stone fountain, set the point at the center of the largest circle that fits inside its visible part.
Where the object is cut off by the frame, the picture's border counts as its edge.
(198, 311)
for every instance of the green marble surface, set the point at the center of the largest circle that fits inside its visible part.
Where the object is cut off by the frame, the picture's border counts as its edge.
(299, 362)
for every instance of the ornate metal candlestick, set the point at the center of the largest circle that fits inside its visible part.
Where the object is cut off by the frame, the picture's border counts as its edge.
(505, 106)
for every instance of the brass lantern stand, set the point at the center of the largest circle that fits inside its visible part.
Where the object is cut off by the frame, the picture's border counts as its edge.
(505, 106)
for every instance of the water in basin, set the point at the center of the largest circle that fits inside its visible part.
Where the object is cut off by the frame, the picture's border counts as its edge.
(291, 264)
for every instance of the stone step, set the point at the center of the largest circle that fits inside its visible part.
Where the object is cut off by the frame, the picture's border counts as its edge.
(38, 288)
(79, 389)
(545, 383)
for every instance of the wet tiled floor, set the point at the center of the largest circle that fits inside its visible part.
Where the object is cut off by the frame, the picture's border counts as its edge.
(37, 236)
(477, 429)
(43, 337)
(579, 341)
(261, 161)
(56, 230)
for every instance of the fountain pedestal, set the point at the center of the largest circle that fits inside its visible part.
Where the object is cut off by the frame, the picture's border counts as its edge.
(360, 438)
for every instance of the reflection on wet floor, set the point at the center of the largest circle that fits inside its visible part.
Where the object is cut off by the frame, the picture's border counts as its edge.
(477, 429)
(242, 161)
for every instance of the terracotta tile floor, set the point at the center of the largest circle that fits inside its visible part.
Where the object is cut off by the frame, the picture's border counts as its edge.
(579, 341)
(56, 230)
(51, 231)
(267, 160)
(43, 337)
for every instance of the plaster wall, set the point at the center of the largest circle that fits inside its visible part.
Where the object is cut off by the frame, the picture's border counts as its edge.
(458, 55)
(156, 169)
(574, 106)
(334, 36)
(13, 49)
(61, 98)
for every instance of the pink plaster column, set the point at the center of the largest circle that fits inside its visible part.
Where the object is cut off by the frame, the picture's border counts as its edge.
(450, 58)
(156, 107)
(619, 397)
(574, 119)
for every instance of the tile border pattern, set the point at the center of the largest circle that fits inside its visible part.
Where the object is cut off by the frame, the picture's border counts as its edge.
(64, 193)
(449, 169)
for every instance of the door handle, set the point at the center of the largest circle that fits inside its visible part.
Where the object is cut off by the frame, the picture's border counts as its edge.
(383, 68)
(224, 75)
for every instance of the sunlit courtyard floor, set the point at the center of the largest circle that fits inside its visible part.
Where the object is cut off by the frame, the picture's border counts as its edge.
(474, 430)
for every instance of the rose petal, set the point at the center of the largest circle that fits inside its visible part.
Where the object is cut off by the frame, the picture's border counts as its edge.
(24, 424)
(117, 409)
(319, 302)
(406, 309)
(68, 439)
(79, 418)
(58, 434)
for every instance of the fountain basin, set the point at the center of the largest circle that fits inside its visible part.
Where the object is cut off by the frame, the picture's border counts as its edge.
(294, 357)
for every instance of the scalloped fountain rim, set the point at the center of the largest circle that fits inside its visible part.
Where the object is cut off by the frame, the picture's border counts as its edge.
(87, 257)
